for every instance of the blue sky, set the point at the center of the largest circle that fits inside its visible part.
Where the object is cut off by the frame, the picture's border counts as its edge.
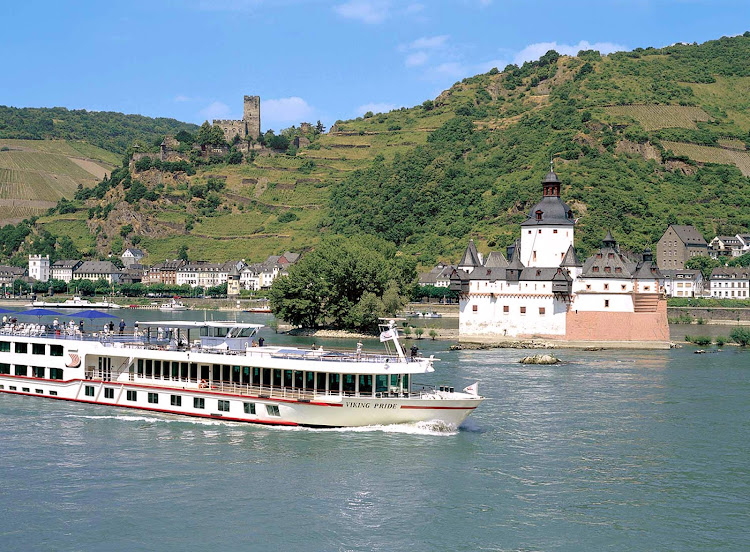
(309, 59)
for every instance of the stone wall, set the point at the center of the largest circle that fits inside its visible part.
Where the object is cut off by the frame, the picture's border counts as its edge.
(618, 326)
(231, 128)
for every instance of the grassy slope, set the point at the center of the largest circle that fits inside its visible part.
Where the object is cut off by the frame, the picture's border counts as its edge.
(35, 174)
(522, 127)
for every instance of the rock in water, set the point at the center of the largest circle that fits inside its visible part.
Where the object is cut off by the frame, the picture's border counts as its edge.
(540, 359)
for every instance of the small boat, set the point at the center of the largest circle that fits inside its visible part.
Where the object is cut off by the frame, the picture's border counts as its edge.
(431, 315)
(76, 303)
(173, 306)
(259, 309)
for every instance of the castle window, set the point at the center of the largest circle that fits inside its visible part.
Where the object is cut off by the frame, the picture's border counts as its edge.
(523, 310)
(606, 287)
(554, 231)
(541, 311)
(539, 215)
(607, 269)
(618, 269)
(606, 303)
(534, 255)
(647, 288)
(611, 256)
(506, 309)
(588, 287)
(598, 255)
(475, 308)
(623, 287)
(570, 214)
(596, 269)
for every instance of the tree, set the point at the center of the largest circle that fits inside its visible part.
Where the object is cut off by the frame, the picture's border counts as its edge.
(703, 263)
(418, 332)
(433, 334)
(126, 230)
(740, 335)
(428, 105)
(182, 253)
(346, 282)
(319, 127)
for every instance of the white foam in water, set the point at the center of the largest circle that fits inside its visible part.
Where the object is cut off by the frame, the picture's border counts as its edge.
(436, 428)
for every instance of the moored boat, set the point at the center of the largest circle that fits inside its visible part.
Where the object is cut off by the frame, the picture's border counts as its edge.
(75, 303)
(173, 306)
(223, 375)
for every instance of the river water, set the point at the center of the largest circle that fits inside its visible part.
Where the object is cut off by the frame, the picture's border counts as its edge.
(612, 450)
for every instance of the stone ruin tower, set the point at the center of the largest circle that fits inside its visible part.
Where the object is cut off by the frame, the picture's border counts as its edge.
(248, 126)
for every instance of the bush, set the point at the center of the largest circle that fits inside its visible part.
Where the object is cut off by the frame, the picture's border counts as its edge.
(721, 340)
(698, 339)
(287, 217)
(740, 335)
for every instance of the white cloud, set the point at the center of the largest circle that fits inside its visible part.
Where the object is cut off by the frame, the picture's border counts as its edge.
(285, 111)
(452, 69)
(228, 5)
(366, 11)
(428, 43)
(535, 51)
(215, 110)
(180, 98)
(375, 108)
(416, 59)
(487, 65)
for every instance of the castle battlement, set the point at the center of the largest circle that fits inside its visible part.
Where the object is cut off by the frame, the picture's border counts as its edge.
(249, 125)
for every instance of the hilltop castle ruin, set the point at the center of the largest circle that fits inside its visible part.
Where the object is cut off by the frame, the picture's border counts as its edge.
(248, 126)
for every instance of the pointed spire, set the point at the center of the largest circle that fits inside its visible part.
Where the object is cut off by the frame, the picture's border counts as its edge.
(515, 262)
(609, 241)
(471, 256)
(570, 258)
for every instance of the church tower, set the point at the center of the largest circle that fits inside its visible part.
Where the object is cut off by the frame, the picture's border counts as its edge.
(547, 233)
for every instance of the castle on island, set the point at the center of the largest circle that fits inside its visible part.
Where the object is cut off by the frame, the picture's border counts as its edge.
(542, 290)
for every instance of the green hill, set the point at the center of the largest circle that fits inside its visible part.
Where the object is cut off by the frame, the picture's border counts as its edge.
(640, 140)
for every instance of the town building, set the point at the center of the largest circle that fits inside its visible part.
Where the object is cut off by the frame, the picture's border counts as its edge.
(39, 268)
(439, 276)
(9, 274)
(163, 273)
(64, 268)
(97, 270)
(730, 282)
(729, 246)
(678, 244)
(682, 282)
(545, 291)
(131, 256)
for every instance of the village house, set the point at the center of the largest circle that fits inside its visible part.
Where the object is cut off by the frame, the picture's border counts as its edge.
(131, 256)
(730, 282)
(729, 246)
(97, 270)
(545, 291)
(439, 276)
(39, 268)
(163, 273)
(678, 244)
(64, 268)
(9, 274)
(682, 282)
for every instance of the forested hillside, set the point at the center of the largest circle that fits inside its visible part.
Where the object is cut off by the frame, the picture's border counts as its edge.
(108, 130)
(640, 140)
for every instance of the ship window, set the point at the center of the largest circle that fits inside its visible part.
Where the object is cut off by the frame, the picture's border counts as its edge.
(223, 406)
(21, 370)
(109, 393)
(288, 378)
(153, 398)
(349, 383)
(22, 347)
(249, 408)
(37, 348)
(4, 346)
(12, 388)
(89, 390)
(37, 371)
(40, 391)
(56, 350)
(53, 393)
(140, 367)
(2, 386)
(149, 368)
(298, 379)
(272, 410)
(175, 400)
(199, 403)
(321, 377)
(276, 377)
(175, 370)
(365, 384)
(406, 382)
(381, 383)
(132, 395)
(309, 380)
(334, 382)
(4, 368)
(55, 373)
(25, 389)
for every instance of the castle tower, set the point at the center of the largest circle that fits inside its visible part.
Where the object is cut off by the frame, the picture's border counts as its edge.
(547, 233)
(39, 267)
(251, 116)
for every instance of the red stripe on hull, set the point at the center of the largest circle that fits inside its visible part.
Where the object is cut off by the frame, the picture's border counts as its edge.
(439, 407)
(162, 411)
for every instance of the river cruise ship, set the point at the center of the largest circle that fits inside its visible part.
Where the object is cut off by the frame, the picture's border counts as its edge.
(216, 370)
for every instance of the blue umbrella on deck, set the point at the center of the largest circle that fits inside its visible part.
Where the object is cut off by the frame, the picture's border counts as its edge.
(6, 311)
(40, 312)
(92, 314)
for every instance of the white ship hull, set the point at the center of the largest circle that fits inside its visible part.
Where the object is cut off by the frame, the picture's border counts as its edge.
(266, 385)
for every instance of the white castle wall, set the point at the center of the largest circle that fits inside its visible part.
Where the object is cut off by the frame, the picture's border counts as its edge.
(549, 243)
